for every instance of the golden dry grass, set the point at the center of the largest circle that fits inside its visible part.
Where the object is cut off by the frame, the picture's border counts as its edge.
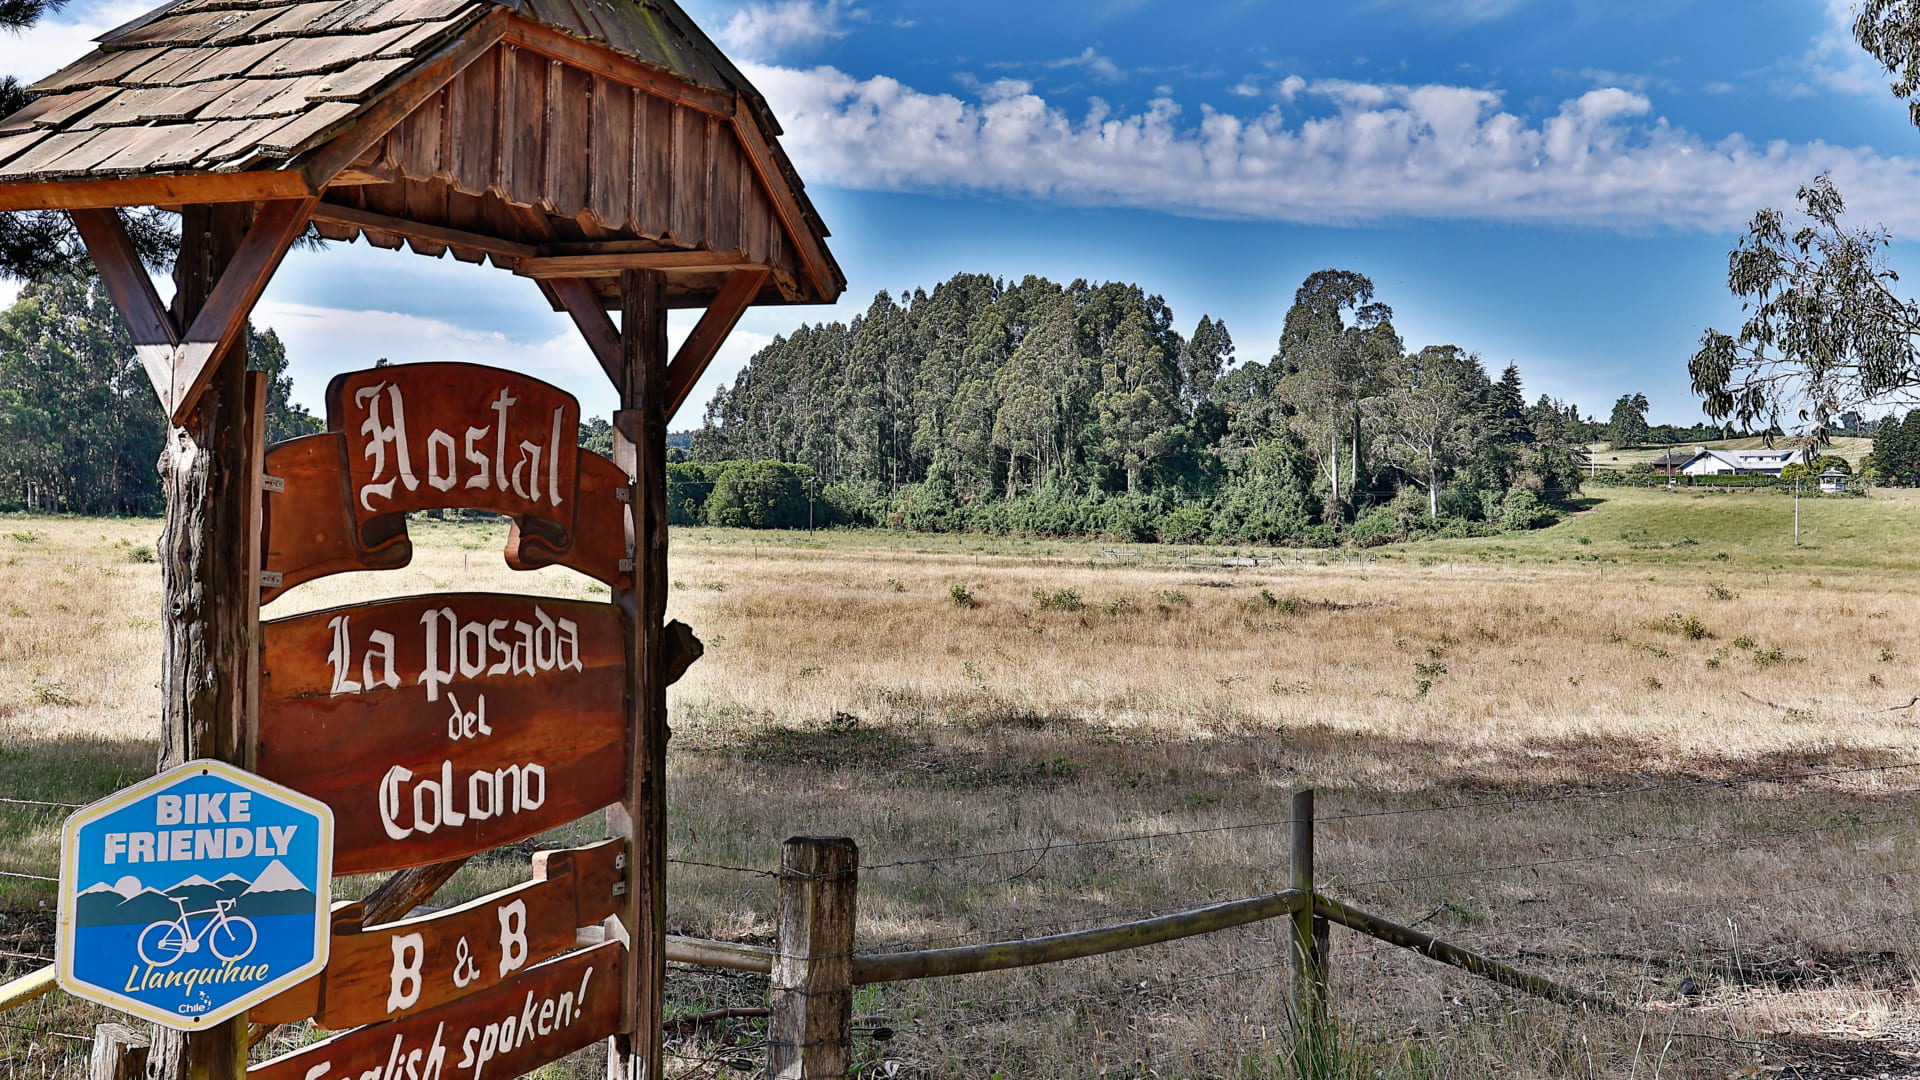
(1593, 745)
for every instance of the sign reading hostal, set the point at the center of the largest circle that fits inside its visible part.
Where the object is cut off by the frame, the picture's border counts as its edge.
(194, 895)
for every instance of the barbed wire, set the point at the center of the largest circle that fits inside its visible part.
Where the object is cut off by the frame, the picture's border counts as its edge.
(42, 803)
(1602, 856)
(29, 877)
(1364, 815)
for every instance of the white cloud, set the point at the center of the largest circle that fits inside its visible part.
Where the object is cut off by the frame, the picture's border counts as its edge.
(1837, 62)
(324, 341)
(764, 30)
(1374, 152)
(63, 37)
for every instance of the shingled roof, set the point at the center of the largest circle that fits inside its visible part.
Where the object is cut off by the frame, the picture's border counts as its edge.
(542, 134)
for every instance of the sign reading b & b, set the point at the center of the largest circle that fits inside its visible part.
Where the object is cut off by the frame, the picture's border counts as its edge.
(194, 895)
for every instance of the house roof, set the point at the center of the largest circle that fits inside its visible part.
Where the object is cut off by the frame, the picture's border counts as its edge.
(517, 130)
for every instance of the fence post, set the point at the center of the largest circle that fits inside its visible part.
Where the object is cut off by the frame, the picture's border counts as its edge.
(1309, 932)
(810, 1037)
(119, 1053)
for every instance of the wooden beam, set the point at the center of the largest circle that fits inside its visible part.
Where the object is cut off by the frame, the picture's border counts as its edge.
(786, 204)
(328, 160)
(610, 265)
(710, 333)
(223, 318)
(155, 191)
(640, 447)
(121, 271)
(605, 62)
(416, 230)
(584, 305)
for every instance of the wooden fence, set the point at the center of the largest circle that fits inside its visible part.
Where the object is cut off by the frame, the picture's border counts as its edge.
(816, 963)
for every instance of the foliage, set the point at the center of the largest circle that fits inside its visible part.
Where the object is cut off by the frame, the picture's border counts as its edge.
(79, 422)
(1628, 427)
(1825, 332)
(1078, 410)
(1896, 450)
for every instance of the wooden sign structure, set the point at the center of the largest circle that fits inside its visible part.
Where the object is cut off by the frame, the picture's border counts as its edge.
(439, 727)
(610, 154)
(392, 971)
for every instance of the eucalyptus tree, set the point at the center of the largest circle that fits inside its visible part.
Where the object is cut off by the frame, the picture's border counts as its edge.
(1333, 364)
(1429, 414)
(1825, 331)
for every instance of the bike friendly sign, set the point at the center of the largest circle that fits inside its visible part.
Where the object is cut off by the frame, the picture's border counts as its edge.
(189, 897)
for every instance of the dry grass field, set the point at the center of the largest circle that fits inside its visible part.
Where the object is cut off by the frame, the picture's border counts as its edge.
(1652, 752)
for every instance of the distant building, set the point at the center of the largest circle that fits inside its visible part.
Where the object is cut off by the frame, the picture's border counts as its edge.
(1705, 462)
(1670, 463)
(1833, 480)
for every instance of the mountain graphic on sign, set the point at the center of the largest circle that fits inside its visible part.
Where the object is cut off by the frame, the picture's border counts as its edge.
(276, 891)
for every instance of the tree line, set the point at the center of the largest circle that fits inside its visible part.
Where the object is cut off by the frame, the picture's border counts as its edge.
(80, 427)
(1048, 408)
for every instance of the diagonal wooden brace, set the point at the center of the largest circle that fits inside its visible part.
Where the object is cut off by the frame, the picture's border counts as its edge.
(710, 333)
(181, 365)
(583, 303)
(127, 282)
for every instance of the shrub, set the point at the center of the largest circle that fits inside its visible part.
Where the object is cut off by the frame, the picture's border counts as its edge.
(1522, 510)
(1058, 600)
(962, 597)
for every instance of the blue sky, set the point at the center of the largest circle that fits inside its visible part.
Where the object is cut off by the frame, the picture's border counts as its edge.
(1550, 183)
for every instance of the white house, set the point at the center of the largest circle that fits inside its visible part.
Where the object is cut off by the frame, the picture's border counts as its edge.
(1743, 462)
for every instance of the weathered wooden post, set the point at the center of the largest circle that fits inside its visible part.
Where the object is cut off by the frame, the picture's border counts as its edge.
(640, 448)
(811, 1033)
(119, 1053)
(211, 599)
(1309, 932)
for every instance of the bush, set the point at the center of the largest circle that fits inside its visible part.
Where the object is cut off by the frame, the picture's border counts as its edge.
(1522, 510)
(759, 495)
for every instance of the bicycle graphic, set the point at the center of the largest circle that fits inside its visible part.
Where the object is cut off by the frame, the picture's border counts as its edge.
(230, 937)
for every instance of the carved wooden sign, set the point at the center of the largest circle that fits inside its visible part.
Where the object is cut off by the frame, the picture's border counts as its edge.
(539, 1015)
(397, 969)
(440, 436)
(442, 726)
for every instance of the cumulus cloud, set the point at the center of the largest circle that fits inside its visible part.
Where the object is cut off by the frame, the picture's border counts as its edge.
(764, 30)
(1837, 62)
(1337, 152)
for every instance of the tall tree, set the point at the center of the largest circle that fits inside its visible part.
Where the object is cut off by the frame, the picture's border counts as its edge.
(1333, 363)
(79, 423)
(1826, 332)
(1629, 422)
(1430, 415)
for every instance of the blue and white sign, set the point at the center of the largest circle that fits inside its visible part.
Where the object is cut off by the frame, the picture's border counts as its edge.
(189, 897)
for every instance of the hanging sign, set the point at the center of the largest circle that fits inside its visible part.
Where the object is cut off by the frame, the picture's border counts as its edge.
(436, 436)
(538, 1016)
(438, 727)
(397, 969)
(189, 897)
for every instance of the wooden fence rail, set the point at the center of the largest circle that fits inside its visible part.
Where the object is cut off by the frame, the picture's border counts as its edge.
(815, 966)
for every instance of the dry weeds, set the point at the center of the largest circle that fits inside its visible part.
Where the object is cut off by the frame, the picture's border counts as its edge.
(1602, 723)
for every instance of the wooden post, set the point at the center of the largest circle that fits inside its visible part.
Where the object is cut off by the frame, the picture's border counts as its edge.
(210, 599)
(810, 1036)
(640, 447)
(1309, 932)
(119, 1053)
